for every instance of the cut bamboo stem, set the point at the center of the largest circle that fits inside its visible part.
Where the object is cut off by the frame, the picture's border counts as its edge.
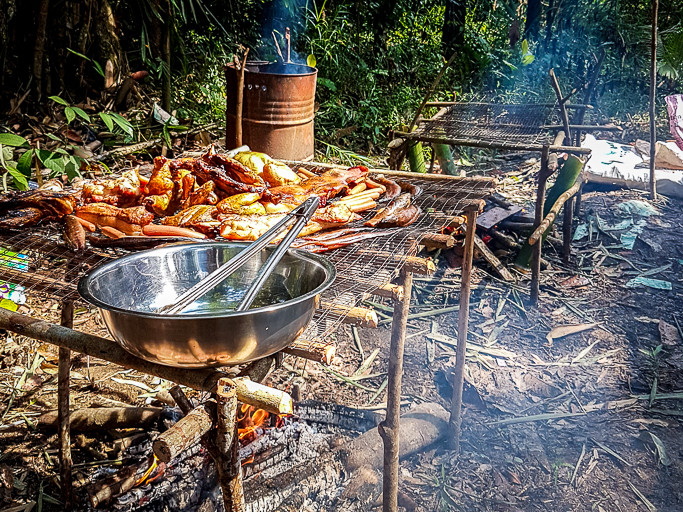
(455, 420)
(63, 417)
(389, 428)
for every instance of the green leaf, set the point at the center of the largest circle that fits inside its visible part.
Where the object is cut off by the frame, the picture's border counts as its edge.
(25, 162)
(54, 137)
(98, 68)
(109, 123)
(9, 139)
(72, 168)
(123, 124)
(79, 54)
(311, 60)
(70, 114)
(59, 100)
(527, 59)
(327, 83)
(81, 114)
(525, 46)
(19, 179)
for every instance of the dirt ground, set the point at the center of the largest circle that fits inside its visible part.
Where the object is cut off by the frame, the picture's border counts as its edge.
(587, 421)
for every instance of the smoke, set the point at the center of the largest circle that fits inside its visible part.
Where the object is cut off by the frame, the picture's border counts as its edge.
(277, 17)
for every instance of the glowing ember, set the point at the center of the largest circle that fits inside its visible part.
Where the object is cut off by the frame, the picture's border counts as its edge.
(155, 471)
(251, 423)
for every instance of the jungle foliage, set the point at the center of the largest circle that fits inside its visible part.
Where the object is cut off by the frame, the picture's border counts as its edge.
(375, 58)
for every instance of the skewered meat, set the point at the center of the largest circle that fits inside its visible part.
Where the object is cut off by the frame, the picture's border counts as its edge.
(200, 217)
(128, 220)
(403, 217)
(233, 168)
(21, 217)
(400, 203)
(243, 204)
(325, 186)
(393, 188)
(123, 191)
(74, 234)
(50, 203)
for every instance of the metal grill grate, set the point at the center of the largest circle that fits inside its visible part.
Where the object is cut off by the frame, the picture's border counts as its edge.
(37, 259)
(490, 122)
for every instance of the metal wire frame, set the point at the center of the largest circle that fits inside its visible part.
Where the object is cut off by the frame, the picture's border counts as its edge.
(491, 121)
(37, 259)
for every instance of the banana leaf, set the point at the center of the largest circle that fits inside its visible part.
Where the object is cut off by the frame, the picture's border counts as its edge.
(565, 180)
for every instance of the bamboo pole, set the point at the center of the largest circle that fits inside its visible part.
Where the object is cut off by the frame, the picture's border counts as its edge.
(455, 420)
(554, 210)
(389, 428)
(567, 228)
(540, 200)
(653, 92)
(63, 417)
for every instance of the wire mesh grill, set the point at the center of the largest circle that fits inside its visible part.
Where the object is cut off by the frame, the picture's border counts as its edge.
(491, 122)
(38, 260)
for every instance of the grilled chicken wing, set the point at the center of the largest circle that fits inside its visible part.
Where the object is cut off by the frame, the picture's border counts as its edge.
(325, 186)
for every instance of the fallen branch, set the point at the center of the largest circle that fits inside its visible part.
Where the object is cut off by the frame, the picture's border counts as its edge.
(186, 432)
(492, 259)
(554, 210)
(103, 418)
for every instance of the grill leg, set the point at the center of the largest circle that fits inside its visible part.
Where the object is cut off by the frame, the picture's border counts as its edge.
(227, 444)
(388, 429)
(63, 382)
(540, 200)
(463, 318)
(567, 230)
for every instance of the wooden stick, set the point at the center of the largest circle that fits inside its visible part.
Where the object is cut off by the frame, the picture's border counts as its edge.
(263, 397)
(393, 291)
(449, 103)
(536, 254)
(118, 483)
(259, 369)
(429, 93)
(491, 258)
(515, 146)
(583, 127)
(187, 407)
(314, 350)
(550, 218)
(204, 379)
(97, 419)
(362, 317)
(653, 93)
(563, 110)
(437, 241)
(63, 417)
(455, 420)
(414, 264)
(389, 428)
(186, 432)
(240, 100)
(227, 446)
(567, 228)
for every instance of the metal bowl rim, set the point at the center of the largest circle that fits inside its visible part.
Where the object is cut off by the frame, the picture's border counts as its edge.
(84, 291)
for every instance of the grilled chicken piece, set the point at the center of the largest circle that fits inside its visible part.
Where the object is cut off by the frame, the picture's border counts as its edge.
(251, 227)
(122, 192)
(243, 204)
(20, 218)
(400, 203)
(325, 186)
(129, 220)
(233, 169)
(337, 213)
(202, 195)
(273, 172)
(200, 217)
(50, 203)
(169, 185)
(53, 185)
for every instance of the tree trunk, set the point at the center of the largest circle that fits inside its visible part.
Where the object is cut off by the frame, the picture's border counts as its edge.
(453, 34)
(7, 11)
(533, 20)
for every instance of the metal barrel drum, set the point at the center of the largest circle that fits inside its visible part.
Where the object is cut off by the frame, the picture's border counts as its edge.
(278, 109)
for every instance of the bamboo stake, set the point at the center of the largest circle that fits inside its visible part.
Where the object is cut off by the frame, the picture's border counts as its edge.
(63, 383)
(567, 228)
(550, 218)
(540, 200)
(240, 100)
(653, 91)
(389, 428)
(455, 420)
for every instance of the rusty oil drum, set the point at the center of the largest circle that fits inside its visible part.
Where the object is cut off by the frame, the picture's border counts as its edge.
(278, 109)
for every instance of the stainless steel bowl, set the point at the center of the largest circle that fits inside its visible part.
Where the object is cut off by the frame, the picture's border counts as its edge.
(209, 332)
